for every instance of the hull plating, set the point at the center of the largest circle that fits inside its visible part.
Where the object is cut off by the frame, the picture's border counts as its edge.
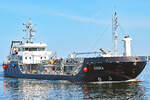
(99, 69)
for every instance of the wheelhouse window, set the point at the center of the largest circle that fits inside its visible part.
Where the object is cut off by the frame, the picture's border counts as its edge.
(20, 49)
(26, 49)
(41, 49)
(33, 49)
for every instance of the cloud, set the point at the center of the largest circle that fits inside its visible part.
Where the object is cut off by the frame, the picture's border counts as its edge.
(29, 9)
(80, 18)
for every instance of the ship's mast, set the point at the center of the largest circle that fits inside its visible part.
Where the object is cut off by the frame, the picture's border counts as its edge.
(115, 34)
(30, 31)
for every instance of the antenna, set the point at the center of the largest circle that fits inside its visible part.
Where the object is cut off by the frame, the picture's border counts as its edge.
(30, 30)
(115, 35)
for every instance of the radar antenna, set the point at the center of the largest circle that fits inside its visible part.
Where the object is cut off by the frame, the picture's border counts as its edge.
(30, 31)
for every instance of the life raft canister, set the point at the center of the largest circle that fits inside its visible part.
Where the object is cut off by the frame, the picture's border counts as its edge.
(15, 48)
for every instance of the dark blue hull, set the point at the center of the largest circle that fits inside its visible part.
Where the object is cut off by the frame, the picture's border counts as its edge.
(99, 69)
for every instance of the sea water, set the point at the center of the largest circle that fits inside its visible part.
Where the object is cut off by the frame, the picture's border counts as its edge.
(31, 89)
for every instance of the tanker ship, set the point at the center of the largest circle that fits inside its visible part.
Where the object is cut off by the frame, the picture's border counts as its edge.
(28, 59)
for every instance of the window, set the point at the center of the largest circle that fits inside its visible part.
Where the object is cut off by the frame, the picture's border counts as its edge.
(25, 57)
(19, 49)
(41, 49)
(26, 49)
(32, 49)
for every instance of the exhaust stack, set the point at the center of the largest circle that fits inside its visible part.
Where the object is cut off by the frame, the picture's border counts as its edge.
(127, 46)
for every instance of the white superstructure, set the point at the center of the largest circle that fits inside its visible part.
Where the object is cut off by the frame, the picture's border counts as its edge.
(34, 53)
(29, 52)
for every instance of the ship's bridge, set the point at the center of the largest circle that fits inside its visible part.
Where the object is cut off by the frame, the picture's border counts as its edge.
(33, 47)
(34, 53)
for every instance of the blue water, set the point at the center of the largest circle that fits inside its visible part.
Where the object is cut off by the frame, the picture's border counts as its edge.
(31, 89)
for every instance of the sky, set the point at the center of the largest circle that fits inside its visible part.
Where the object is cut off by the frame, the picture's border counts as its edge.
(76, 25)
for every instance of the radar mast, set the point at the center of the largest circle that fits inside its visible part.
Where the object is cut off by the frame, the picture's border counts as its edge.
(115, 34)
(30, 31)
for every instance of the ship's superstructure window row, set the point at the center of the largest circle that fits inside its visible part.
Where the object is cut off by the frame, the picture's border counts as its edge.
(33, 49)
